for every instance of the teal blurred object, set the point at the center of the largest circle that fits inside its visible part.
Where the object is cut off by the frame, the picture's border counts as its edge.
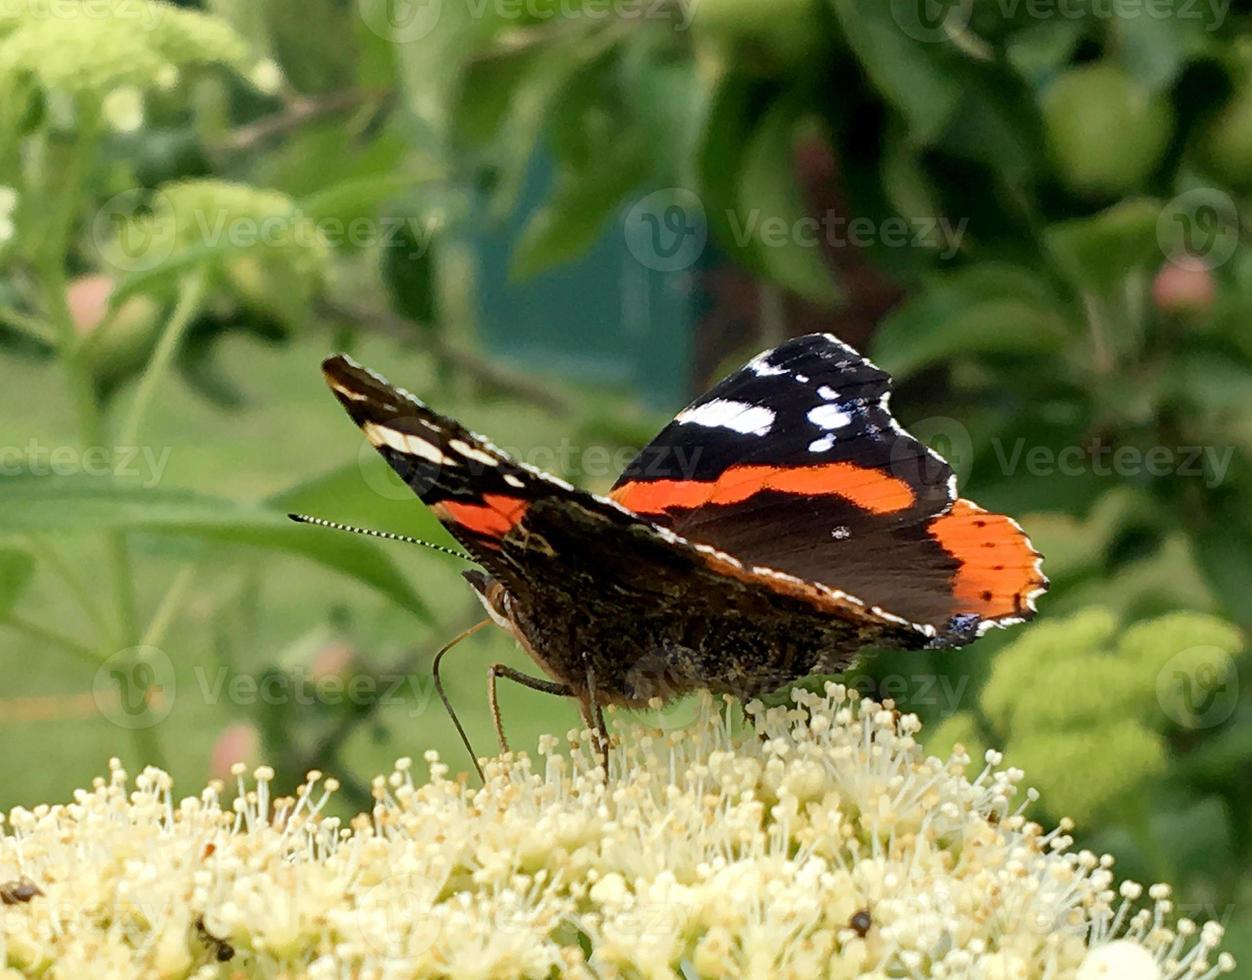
(605, 318)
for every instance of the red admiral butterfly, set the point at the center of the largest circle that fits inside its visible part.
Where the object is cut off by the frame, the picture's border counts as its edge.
(779, 525)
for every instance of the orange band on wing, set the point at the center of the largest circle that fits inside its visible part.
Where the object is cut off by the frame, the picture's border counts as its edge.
(867, 488)
(494, 517)
(999, 574)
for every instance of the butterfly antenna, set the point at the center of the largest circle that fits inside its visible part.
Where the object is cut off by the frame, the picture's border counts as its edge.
(371, 533)
(443, 696)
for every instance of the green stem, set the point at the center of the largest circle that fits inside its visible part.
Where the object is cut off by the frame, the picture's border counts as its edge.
(33, 327)
(71, 581)
(66, 643)
(1158, 858)
(190, 293)
(82, 387)
(164, 615)
(63, 212)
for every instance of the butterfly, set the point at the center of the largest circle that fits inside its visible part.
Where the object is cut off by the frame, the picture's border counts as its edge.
(778, 526)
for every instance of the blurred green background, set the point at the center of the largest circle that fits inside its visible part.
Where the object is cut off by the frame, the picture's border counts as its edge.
(559, 220)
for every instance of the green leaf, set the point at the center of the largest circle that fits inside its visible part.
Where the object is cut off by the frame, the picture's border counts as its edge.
(1222, 552)
(17, 568)
(737, 107)
(908, 72)
(357, 198)
(486, 93)
(408, 269)
(668, 100)
(997, 124)
(1073, 547)
(29, 505)
(505, 100)
(1200, 836)
(583, 199)
(1040, 50)
(990, 309)
(1153, 50)
(1098, 252)
(774, 214)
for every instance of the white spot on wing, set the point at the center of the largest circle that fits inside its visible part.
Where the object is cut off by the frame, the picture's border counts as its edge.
(469, 452)
(513, 481)
(405, 442)
(761, 367)
(827, 392)
(351, 393)
(726, 414)
(829, 417)
(822, 445)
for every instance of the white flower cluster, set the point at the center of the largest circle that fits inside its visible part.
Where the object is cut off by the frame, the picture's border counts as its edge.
(111, 52)
(820, 842)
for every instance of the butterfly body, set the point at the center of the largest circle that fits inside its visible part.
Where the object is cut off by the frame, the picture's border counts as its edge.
(781, 524)
(668, 622)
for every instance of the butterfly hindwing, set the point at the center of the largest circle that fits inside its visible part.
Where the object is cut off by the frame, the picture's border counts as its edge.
(795, 462)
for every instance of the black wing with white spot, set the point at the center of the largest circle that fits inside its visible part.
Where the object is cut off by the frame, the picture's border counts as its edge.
(795, 462)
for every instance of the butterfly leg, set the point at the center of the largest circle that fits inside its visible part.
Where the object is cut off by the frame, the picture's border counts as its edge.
(593, 715)
(534, 683)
